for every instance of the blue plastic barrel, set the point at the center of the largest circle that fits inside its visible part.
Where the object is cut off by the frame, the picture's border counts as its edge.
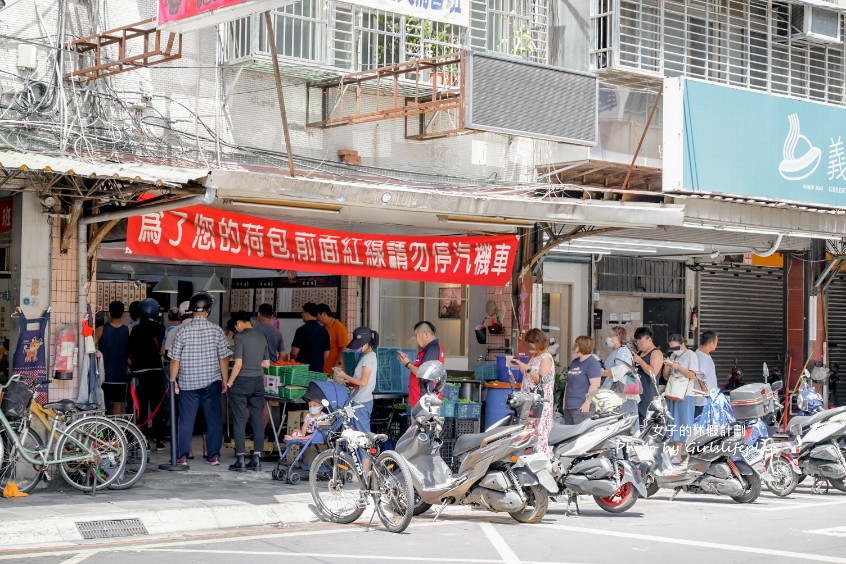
(502, 369)
(495, 408)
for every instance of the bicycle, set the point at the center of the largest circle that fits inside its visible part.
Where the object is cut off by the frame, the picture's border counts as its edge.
(134, 440)
(89, 452)
(388, 481)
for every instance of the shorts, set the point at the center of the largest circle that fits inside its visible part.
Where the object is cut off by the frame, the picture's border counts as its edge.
(114, 392)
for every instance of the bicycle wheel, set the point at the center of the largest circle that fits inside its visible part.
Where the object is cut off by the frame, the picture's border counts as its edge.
(14, 468)
(341, 498)
(395, 503)
(136, 456)
(102, 441)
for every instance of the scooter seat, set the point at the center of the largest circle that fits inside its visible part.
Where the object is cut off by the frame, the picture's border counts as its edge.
(805, 421)
(466, 443)
(561, 433)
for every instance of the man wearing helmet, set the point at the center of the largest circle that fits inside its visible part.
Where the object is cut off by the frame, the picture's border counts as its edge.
(430, 349)
(145, 361)
(199, 365)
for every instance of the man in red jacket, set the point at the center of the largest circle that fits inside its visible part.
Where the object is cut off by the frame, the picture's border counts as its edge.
(430, 349)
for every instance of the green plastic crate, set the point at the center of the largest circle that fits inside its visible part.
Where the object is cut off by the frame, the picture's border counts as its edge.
(318, 376)
(292, 392)
(286, 370)
(303, 378)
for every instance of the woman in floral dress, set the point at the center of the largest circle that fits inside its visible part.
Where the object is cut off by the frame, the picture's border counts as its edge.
(539, 376)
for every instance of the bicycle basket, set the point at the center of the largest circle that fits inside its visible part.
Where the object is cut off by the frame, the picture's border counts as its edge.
(16, 400)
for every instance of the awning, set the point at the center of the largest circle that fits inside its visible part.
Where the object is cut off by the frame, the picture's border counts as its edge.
(389, 203)
(136, 171)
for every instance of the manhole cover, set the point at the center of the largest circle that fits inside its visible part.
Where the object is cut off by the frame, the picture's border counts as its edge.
(111, 529)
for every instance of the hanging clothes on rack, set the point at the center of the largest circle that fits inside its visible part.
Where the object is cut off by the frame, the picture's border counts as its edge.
(30, 358)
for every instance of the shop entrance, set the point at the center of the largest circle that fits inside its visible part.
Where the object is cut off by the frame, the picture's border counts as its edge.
(556, 315)
(665, 316)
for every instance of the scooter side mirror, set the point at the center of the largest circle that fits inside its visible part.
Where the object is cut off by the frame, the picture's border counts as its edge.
(776, 386)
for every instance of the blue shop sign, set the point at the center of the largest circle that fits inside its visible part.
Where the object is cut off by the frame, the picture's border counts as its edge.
(740, 142)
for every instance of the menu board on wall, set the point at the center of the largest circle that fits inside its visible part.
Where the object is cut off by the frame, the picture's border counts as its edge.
(121, 291)
(241, 299)
(287, 295)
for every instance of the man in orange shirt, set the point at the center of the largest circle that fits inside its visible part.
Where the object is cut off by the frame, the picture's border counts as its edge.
(339, 337)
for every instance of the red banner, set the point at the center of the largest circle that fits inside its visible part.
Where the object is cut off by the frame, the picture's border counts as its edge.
(178, 11)
(5, 215)
(213, 236)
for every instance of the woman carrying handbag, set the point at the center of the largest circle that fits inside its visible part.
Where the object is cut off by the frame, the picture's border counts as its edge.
(627, 384)
(680, 370)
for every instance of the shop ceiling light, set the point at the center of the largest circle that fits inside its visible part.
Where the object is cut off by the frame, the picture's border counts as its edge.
(591, 245)
(213, 286)
(165, 286)
(490, 221)
(646, 243)
(580, 252)
(286, 205)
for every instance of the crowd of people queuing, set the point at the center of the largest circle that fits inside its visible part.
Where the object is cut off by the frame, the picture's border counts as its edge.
(202, 361)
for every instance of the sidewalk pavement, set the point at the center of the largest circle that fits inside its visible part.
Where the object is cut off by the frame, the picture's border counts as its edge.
(204, 498)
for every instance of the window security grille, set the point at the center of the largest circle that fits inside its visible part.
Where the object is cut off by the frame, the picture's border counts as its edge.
(755, 44)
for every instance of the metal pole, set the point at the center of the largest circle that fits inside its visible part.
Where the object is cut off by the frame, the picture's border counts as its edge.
(640, 143)
(271, 37)
(173, 466)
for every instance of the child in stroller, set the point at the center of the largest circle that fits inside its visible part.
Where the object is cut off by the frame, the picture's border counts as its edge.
(309, 438)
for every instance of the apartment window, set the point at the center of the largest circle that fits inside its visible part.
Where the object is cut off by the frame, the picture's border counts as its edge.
(750, 43)
(519, 28)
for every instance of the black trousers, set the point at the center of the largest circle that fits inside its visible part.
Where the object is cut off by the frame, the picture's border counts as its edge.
(150, 388)
(247, 392)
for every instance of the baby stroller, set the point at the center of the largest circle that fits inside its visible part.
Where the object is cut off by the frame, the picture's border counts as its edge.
(337, 396)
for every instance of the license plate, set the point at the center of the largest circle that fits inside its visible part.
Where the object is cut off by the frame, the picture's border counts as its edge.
(644, 453)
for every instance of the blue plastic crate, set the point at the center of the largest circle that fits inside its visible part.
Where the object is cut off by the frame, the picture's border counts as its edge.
(448, 409)
(451, 392)
(468, 411)
(486, 372)
(392, 376)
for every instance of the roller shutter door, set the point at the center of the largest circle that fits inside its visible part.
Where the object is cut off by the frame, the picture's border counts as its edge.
(836, 317)
(744, 305)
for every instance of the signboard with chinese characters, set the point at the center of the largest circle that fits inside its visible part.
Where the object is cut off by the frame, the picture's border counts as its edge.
(5, 215)
(287, 294)
(728, 140)
(455, 12)
(213, 236)
(188, 15)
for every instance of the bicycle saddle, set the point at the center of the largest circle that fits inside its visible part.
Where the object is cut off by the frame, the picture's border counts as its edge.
(62, 406)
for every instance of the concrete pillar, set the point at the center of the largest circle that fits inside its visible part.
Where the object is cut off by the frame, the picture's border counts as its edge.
(31, 233)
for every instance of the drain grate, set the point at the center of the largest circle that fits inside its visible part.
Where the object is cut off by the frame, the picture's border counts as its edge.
(111, 529)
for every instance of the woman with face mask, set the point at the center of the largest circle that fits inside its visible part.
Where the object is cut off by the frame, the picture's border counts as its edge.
(681, 366)
(364, 341)
(616, 341)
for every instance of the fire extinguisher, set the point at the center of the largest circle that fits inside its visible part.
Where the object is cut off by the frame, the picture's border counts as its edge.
(66, 352)
(694, 322)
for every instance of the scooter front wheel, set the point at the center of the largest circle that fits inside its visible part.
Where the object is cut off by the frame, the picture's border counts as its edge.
(537, 502)
(783, 479)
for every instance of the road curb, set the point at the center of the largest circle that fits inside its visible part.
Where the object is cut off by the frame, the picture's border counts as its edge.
(175, 517)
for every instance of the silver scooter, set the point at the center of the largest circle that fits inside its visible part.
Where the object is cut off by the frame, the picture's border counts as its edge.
(495, 473)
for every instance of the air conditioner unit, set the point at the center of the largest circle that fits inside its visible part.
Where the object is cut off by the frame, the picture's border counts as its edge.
(814, 24)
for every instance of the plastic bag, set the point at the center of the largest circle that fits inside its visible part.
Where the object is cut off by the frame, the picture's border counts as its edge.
(716, 413)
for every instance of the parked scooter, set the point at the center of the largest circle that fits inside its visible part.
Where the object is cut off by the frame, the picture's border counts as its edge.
(735, 379)
(495, 473)
(719, 463)
(592, 458)
(816, 450)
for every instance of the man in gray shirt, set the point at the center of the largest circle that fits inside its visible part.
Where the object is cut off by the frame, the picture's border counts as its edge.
(275, 342)
(246, 389)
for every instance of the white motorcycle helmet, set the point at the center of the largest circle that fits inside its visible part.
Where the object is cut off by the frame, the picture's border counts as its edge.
(432, 375)
(607, 402)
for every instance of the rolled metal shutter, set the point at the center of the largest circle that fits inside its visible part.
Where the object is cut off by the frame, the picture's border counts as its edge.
(836, 317)
(745, 306)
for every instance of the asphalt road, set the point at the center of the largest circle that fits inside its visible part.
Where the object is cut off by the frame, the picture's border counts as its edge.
(690, 529)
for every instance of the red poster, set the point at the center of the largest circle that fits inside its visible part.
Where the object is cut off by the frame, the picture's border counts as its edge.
(177, 10)
(5, 215)
(213, 236)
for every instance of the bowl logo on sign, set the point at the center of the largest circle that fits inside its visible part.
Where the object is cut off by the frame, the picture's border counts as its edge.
(798, 166)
